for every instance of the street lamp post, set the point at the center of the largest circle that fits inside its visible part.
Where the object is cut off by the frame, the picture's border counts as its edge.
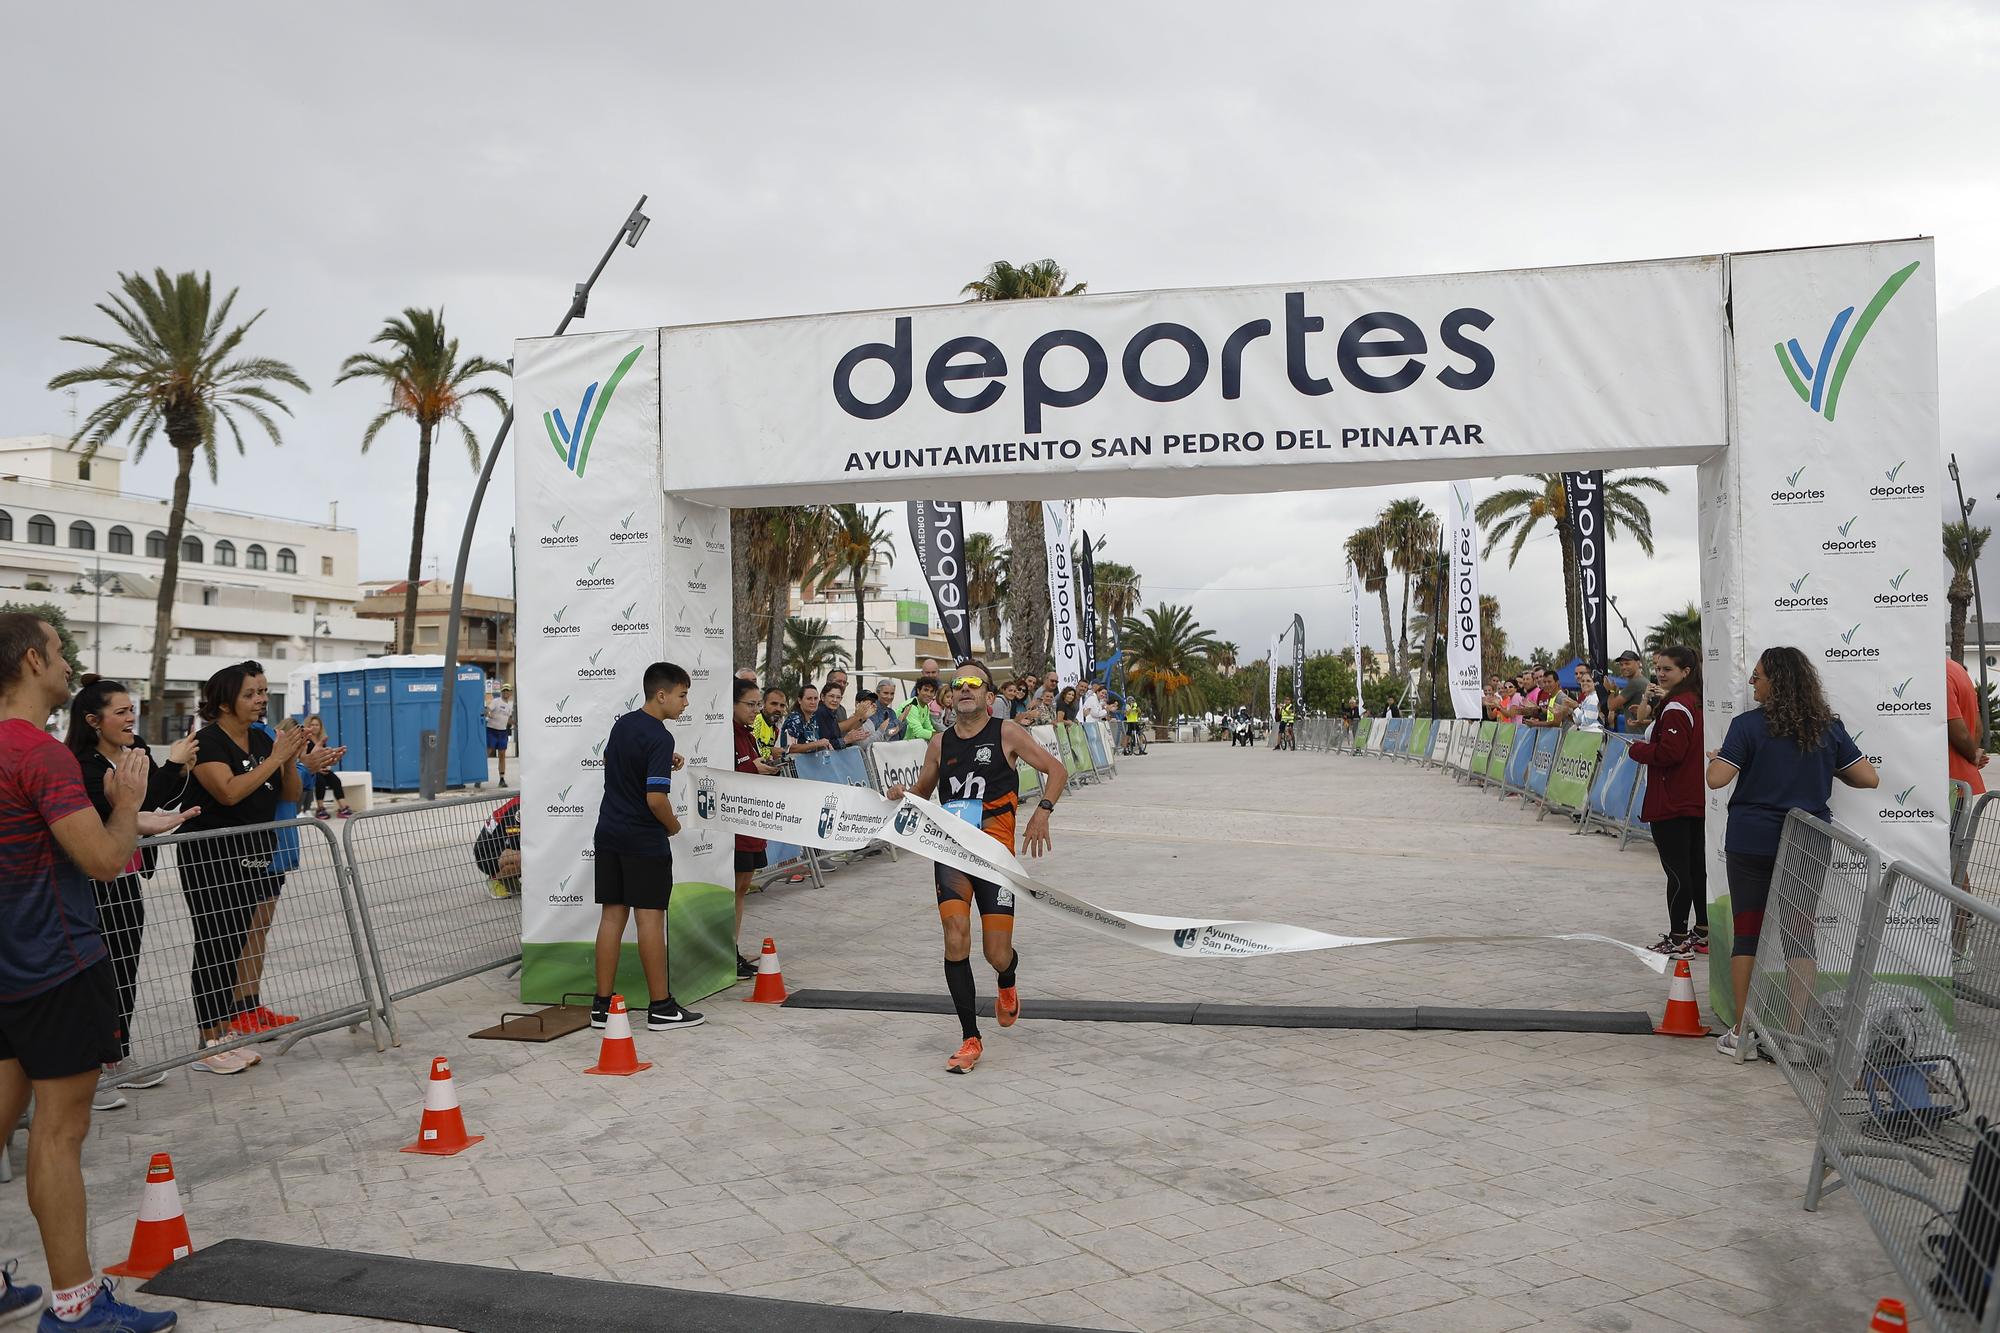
(98, 578)
(1978, 610)
(432, 780)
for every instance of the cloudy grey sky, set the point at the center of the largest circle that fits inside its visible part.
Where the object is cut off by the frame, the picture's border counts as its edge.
(340, 163)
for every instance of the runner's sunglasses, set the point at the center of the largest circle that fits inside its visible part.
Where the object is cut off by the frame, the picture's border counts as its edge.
(969, 683)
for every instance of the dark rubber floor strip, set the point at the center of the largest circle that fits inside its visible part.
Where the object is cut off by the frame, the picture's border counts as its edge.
(504, 1300)
(1396, 1018)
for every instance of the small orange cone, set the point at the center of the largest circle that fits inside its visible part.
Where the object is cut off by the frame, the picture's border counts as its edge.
(770, 986)
(1890, 1317)
(161, 1235)
(1683, 1014)
(441, 1133)
(616, 1054)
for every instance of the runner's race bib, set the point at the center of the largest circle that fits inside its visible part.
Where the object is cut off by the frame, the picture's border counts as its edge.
(972, 812)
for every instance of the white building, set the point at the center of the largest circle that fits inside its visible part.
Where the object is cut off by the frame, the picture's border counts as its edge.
(278, 590)
(899, 632)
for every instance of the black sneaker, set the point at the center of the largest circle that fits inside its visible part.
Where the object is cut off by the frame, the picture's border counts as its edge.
(600, 1008)
(745, 969)
(1670, 944)
(663, 1015)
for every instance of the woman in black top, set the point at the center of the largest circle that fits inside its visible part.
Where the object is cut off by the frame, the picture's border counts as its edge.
(231, 890)
(102, 721)
(326, 780)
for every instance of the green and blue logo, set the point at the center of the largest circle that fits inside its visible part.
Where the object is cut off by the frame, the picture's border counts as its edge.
(1817, 383)
(572, 439)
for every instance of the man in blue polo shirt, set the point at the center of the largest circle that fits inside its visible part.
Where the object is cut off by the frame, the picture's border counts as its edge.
(635, 862)
(59, 1017)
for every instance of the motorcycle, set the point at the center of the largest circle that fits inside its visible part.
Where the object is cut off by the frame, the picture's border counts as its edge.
(1240, 733)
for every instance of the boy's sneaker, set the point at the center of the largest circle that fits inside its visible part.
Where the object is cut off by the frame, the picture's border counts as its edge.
(1668, 944)
(108, 1314)
(16, 1297)
(1729, 1041)
(108, 1098)
(662, 1015)
(745, 969)
(600, 1009)
(116, 1076)
(1698, 942)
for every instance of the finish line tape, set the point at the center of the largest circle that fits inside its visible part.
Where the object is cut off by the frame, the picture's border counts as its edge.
(829, 817)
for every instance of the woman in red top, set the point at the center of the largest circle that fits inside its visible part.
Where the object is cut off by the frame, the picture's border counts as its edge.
(749, 851)
(1675, 795)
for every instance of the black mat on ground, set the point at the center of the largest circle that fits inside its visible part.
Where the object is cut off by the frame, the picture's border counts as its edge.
(1420, 1018)
(503, 1300)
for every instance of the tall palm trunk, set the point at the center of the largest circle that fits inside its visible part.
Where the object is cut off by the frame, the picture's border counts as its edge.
(860, 614)
(1027, 587)
(1572, 595)
(1403, 639)
(774, 643)
(424, 429)
(746, 589)
(1959, 594)
(1388, 627)
(184, 434)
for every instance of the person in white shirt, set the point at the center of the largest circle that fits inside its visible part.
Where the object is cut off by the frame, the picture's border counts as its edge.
(1093, 708)
(499, 717)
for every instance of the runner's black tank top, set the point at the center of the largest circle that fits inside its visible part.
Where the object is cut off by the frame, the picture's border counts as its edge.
(977, 770)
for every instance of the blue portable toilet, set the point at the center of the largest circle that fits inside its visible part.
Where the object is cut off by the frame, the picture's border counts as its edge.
(414, 695)
(348, 724)
(380, 705)
(468, 728)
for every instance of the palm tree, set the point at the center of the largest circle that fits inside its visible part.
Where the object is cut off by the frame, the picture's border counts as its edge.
(1164, 648)
(430, 385)
(854, 539)
(1027, 588)
(1368, 552)
(784, 543)
(1962, 546)
(1410, 536)
(174, 371)
(1117, 596)
(1520, 509)
(1223, 657)
(810, 651)
(986, 563)
(1682, 628)
(1492, 639)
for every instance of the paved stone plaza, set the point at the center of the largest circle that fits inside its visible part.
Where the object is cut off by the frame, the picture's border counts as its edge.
(1113, 1176)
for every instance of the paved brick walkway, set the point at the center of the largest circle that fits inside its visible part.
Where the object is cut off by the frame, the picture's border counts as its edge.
(1115, 1176)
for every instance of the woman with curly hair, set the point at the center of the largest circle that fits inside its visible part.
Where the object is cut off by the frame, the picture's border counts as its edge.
(1782, 755)
(1675, 805)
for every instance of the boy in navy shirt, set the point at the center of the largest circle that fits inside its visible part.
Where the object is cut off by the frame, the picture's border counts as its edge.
(635, 862)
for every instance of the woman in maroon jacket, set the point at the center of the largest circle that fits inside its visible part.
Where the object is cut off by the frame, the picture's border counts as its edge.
(750, 852)
(1675, 795)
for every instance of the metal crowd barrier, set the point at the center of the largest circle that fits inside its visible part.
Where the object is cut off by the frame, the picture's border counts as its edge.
(1877, 993)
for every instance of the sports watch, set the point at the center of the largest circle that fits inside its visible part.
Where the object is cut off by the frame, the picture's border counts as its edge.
(1045, 804)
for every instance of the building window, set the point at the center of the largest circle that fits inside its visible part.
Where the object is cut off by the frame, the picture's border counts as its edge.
(264, 647)
(225, 553)
(82, 537)
(210, 596)
(279, 652)
(6, 526)
(156, 545)
(326, 566)
(253, 556)
(288, 561)
(121, 541)
(41, 530)
(427, 635)
(83, 469)
(191, 550)
(203, 647)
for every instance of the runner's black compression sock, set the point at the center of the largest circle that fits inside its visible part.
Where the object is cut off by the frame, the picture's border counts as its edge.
(958, 976)
(1007, 977)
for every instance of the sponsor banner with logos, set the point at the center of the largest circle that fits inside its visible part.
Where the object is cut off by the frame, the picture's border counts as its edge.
(1086, 592)
(1071, 662)
(1462, 651)
(1298, 664)
(1819, 527)
(937, 533)
(1583, 495)
(610, 573)
(1255, 388)
(897, 762)
(833, 817)
(1354, 631)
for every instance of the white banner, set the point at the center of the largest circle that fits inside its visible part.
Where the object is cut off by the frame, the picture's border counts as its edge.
(1257, 388)
(1462, 652)
(1354, 628)
(838, 818)
(897, 761)
(1273, 714)
(1064, 611)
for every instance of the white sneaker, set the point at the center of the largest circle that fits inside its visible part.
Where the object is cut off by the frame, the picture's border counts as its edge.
(1727, 1043)
(146, 1081)
(223, 1062)
(107, 1099)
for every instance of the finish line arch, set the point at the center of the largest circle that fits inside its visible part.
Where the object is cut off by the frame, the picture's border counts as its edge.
(1802, 384)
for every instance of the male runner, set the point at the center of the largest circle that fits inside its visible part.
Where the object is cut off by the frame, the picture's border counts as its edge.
(975, 758)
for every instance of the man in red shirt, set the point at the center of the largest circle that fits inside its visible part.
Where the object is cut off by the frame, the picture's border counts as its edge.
(1965, 725)
(750, 852)
(59, 1016)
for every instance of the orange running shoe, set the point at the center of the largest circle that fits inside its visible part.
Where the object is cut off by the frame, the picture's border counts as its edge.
(1008, 1007)
(968, 1056)
(247, 1024)
(271, 1019)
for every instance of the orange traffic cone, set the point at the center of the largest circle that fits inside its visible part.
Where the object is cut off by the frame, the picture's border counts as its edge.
(1890, 1317)
(441, 1133)
(770, 987)
(1683, 1014)
(161, 1235)
(616, 1054)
